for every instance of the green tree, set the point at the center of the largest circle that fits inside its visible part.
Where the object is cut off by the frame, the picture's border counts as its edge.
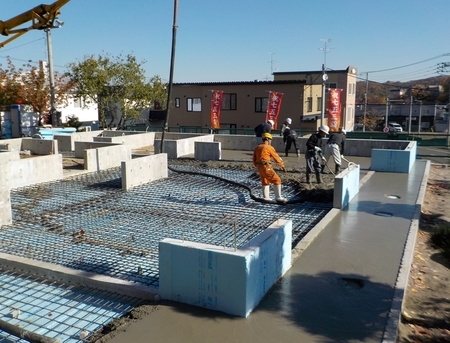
(118, 86)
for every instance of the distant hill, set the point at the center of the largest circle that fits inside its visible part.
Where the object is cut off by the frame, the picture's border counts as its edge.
(378, 92)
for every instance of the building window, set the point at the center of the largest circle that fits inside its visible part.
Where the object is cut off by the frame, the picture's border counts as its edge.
(77, 103)
(261, 104)
(177, 102)
(194, 104)
(332, 85)
(319, 103)
(309, 104)
(229, 101)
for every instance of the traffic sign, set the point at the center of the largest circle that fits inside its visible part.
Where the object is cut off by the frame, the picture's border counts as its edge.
(386, 129)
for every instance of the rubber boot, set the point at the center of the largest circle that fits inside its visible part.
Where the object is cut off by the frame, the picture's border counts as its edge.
(319, 177)
(322, 168)
(298, 152)
(266, 192)
(308, 178)
(286, 151)
(277, 190)
(337, 169)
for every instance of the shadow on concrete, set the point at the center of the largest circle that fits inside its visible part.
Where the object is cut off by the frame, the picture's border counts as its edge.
(337, 307)
(383, 209)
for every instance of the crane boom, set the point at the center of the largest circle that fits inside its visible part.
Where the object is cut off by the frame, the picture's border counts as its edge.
(41, 17)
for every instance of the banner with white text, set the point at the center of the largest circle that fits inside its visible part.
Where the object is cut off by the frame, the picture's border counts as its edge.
(273, 107)
(334, 109)
(216, 104)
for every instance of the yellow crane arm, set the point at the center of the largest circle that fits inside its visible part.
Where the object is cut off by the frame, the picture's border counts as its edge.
(41, 17)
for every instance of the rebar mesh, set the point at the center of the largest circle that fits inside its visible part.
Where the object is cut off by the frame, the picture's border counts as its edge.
(89, 223)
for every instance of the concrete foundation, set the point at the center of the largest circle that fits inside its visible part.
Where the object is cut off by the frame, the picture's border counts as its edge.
(397, 161)
(346, 186)
(142, 170)
(106, 157)
(230, 281)
(207, 151)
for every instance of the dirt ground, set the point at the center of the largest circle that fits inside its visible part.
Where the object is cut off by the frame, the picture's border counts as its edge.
(426, 314)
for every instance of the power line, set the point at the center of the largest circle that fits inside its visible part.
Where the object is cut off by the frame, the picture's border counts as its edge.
(407, 65)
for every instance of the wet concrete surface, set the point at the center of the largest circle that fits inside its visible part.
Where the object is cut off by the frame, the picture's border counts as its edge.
(344, 287)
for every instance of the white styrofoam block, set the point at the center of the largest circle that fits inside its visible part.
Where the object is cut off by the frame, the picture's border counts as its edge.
(221, 278)
(346, 186)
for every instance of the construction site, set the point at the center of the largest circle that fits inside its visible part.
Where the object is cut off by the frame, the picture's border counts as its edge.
(96, 225)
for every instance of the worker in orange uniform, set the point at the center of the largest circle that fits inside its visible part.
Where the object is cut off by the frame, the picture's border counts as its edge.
(262, 156)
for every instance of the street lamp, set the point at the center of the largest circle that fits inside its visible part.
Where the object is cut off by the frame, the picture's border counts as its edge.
(324, 81)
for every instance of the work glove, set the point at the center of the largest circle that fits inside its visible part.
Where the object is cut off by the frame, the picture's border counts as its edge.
(342, 156)
(316, 148)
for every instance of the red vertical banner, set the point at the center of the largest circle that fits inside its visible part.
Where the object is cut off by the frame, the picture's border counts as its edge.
(216, 104)
(273, 107)
(334, 109)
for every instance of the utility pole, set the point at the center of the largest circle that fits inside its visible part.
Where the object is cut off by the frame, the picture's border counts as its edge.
(365, 102)
(172, 65)
(272, 62)
(51, 78)
(324, 78)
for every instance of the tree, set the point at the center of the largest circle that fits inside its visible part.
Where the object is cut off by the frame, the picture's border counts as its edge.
(29, 85)
(118, 86)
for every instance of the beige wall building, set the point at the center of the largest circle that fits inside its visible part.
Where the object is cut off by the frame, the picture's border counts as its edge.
(244, 104)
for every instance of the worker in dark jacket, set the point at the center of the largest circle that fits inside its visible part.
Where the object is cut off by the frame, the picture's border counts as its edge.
(314, 152)
(290, 138)
(262, 129)
(335, 147)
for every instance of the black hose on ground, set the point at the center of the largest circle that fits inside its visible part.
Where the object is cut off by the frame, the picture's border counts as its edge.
(254, 197)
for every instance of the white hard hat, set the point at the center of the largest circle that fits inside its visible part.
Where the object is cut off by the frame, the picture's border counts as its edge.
(324, 128)
(289, 121)
(271, 122)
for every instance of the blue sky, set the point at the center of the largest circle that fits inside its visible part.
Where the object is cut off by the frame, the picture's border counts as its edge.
(236, 40)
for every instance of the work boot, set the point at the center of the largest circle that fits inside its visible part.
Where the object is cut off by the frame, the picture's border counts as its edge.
(337, 169)
(277, 190)
(308, 178)
(319, 177)
(298, 152)
(286, 151)
(322, 168)
(266, 192)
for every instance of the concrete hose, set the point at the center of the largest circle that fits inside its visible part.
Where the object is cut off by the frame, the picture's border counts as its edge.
(254, 197)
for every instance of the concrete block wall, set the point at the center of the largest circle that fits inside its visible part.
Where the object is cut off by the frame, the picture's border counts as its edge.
(7, 156)
(135, 141)
(396, 161)
(30, 171)
(181, 147)
(80, 147)
(14, 144)
(142, 170)
(67, 142)
(207, 151)
(40, 146)
(346, 186)
(5, 197)
(225, 279)
(106, 157)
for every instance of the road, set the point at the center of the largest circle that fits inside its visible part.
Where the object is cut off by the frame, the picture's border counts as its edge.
(436, 154)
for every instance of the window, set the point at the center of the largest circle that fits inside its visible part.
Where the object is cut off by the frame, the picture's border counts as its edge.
(332, 85)
(261, 104)
(229, 101)
(319, 103)
(194, 104)
(177, 102)
(309, 104)
(77, 102)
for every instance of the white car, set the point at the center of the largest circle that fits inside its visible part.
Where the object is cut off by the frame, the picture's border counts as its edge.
(394, 127)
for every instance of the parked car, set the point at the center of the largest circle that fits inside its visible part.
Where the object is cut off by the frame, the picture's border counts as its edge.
(394, 127)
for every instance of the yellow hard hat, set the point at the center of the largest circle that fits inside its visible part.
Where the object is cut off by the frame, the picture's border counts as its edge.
(267, 135)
